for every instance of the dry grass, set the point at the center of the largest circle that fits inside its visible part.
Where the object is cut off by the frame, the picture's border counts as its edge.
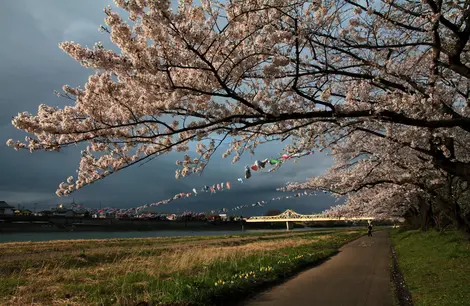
(47, 277)
(180, 261)
(66, 246)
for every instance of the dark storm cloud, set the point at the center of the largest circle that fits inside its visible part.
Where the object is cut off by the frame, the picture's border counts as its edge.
(32, 66)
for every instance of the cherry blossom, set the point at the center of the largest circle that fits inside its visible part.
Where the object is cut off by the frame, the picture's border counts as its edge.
(316, 74)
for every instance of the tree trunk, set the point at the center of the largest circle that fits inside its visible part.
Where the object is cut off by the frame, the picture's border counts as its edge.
(460, 220)
(425, 214)
(412, 217)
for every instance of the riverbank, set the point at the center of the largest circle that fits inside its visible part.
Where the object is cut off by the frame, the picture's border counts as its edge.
(26, 224)
(184, 270)
(435, 266)
(44, 224)
(64, 224)
(89, 235)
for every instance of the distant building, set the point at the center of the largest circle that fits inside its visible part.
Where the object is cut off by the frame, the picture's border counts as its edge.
(5, 209)
(80, 212)
(106, 214)
(172, 217)
(44, 213)
(26, 212)
(63, 212)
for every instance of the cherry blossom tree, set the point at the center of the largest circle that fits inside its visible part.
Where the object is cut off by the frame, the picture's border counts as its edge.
(250, 72)
(383, 178)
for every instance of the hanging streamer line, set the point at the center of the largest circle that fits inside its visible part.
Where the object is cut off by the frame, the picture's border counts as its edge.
(256, 166)
(275, 162)
(261, 203)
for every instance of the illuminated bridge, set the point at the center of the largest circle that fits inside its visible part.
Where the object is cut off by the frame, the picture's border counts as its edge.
(290, 216)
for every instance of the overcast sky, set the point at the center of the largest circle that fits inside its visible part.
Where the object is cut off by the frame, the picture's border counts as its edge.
(32, 67)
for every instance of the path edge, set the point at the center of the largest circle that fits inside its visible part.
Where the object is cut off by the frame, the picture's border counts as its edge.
(265, 286)
(401, 294)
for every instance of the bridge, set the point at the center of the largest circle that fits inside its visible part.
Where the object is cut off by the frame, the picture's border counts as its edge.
(290, 216)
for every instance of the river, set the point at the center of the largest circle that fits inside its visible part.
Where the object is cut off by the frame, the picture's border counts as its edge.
(49, 236)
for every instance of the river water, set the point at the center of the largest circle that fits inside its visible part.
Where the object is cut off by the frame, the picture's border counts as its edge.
(48, 236)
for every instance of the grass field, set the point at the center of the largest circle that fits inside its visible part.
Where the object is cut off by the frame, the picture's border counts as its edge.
(436, 266)
(166, 271)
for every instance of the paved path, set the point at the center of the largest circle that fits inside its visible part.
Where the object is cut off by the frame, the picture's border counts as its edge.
(358, 275)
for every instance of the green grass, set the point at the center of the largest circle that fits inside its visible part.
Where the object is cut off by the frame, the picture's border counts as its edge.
(160, 271)
(436, 266)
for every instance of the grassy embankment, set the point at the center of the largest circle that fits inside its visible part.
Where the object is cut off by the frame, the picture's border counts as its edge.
(436, 266)
(179, 270)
